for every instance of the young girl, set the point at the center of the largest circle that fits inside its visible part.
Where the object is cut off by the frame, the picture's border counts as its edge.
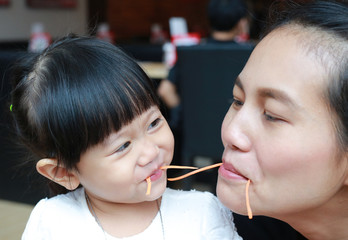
(286, 133)
(92, 117)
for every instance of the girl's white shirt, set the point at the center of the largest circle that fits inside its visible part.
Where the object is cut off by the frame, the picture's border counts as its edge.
(190, 215)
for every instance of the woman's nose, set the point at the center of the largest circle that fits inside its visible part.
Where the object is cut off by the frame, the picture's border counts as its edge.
(149, 152)
(235, 131)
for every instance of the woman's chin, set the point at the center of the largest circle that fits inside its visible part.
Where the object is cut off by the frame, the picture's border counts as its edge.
(231, 197)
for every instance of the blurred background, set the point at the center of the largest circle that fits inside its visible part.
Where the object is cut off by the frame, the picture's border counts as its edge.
(130, 21)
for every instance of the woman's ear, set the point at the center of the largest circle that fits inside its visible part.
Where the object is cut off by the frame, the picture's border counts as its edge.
(48, 167)
(345, 158)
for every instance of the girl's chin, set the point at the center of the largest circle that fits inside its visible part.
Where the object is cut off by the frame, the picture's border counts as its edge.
(157, 190)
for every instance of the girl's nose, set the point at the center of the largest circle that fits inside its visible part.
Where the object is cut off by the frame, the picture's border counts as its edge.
(149, 152)
(235, 131)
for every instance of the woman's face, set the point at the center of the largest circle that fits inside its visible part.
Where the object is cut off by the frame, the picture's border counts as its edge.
(116, 169)
(279, 133)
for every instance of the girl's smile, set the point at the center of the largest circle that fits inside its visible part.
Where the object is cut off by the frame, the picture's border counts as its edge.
(156, 175)
(138, 150)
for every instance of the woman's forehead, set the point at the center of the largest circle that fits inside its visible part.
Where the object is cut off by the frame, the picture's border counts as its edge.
(325, 46)
(278, 63)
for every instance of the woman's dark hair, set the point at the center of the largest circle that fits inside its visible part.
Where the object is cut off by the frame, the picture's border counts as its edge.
(74, 94)
(322, 18)
(224, 15)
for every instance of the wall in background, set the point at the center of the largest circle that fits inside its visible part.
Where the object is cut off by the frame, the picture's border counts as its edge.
(16, 20)
(132, 19)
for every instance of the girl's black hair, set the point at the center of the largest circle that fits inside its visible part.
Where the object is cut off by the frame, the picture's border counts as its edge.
(331, 18)
(74, 94)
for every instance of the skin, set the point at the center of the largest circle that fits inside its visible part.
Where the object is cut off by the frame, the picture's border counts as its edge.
(279, 134)
(116, 182)
(114, 173)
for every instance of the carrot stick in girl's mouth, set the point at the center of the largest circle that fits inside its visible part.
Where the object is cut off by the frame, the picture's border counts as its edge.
(148, 191)
(148, 179)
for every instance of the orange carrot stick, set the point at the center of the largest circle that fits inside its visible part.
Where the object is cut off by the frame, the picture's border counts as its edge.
(250, 213)
(148, 191)
(148, 179)
(195, 171)
(177, 167)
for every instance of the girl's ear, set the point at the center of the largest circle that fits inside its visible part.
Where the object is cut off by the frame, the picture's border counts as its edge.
(48, 167)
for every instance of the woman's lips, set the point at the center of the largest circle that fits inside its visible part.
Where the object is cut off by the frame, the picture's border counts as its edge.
(229, 172)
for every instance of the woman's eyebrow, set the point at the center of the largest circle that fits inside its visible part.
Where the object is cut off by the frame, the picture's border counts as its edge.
(238, 83)
(278, 95)
(275, 94)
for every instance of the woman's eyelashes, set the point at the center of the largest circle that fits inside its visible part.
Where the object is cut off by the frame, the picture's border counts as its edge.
(272, 118)
(236, 103)
(269, 117)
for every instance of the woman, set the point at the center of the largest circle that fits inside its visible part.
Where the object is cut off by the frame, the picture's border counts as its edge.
(287, 129)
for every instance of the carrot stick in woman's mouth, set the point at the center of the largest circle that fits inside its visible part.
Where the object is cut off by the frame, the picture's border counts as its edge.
(250, 213)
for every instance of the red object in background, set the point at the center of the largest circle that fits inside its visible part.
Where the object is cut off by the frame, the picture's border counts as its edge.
(158, 35)
(107, 36)
(39, 41)
(242, 38)
(104, 33)
(186, 39)
(4, 2)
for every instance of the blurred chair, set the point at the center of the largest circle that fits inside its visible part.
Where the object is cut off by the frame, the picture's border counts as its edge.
(206, 76)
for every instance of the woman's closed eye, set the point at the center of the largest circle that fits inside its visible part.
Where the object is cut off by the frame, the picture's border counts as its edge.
(237, 103)
(271, 117)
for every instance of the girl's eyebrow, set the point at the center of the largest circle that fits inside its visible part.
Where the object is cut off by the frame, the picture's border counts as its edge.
(116, 135)
(112, 138)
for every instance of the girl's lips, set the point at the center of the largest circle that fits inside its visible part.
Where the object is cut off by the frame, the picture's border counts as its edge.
(227, 171)
(156, 175)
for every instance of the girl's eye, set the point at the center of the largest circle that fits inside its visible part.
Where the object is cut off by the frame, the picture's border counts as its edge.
(155, 123)
(123, 147)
